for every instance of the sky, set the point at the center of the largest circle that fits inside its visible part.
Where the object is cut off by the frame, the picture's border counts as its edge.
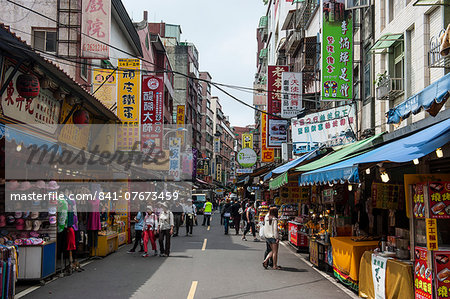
(224, 33)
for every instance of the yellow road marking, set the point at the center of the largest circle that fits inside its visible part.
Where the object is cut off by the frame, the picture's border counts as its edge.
(204, 245)
(208, 227)
(193, 289)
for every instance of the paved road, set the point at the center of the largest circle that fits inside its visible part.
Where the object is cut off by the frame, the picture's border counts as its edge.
(227, 268)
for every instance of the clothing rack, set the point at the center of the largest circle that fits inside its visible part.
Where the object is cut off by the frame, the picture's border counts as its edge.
(8, 270)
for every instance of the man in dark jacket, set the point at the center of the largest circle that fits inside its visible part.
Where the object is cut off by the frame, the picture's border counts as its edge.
(236, 216)
(226, 216)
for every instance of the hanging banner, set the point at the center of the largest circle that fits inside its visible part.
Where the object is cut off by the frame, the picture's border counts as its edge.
(291, 102)
(277, 128)
(267, 154)
(422, 274)
(439, 195)
(442, 274)
(95, 28)
(219, 172)
(106, 93)
(175, 158)
(247, 140)
(332, 127)
(180, 121)
(337, 51)
(152, 102)
(379, 276)
(129, 82)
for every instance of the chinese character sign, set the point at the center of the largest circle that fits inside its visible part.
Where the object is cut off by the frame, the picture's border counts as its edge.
(337, 55)
(379, 265)
(439, 195)
(330, 127)
(216, 144)
(259, 94)
(442, 274)
(129, 83)
(106, 83)
(291, 98)
(278, 135)
(247, 140)
(175, 157)
(95, 28)
(432, 235)
(152, 102)
(180, 120)
(267, 154)
(42, 111)
(422, 274)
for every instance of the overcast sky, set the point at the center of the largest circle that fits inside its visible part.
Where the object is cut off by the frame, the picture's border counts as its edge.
(224, 33)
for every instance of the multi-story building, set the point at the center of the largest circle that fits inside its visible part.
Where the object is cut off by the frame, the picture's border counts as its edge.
(59, 36)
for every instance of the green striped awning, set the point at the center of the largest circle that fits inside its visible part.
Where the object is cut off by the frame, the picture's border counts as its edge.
(263, 53)
(279, 181)
(386, 41)
(263, 22)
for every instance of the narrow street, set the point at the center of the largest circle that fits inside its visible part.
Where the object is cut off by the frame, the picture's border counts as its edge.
(227, 268)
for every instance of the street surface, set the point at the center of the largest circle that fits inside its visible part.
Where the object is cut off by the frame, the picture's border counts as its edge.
(227, 268)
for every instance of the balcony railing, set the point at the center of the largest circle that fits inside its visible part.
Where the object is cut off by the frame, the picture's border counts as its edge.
(390, 88)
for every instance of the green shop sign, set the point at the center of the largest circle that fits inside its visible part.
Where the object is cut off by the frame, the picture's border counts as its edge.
(337, 51)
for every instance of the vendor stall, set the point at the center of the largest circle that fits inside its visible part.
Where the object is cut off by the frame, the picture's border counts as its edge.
(347, 253)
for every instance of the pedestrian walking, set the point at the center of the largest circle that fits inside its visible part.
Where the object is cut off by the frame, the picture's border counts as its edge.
(190, 213)
(272, 237)
(150, 230)
(221, 205)
(166, 224)
(178, 216)
(138, 227)
(236, 212)
(207, 211)
(226, 213)
(250, 213)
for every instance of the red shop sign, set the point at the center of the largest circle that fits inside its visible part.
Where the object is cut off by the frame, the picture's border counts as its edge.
(439, 195)
(152, 118)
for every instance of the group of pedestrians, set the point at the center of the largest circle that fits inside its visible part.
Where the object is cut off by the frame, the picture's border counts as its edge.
(161, 224)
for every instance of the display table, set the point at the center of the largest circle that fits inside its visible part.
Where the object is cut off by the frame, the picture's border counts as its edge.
(37, 262)
(346, 259)
(399, 278)
(106, 245)
(296, 237)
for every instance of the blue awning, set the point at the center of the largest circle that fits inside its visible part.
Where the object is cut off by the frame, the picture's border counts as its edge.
(12, 133)
(291, 164)
(435, 93)
(403, 150)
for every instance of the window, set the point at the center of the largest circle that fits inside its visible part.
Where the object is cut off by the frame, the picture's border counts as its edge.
(44, 40)
(84, 69)
(367, 74)
(399, 59)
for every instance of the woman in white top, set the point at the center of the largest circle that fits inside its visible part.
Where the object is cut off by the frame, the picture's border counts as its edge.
(150, 228)
(271, 235)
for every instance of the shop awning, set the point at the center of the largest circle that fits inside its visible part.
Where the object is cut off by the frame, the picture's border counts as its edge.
(291, 164)
(279, 181)
(244, 180)
(386, 41)
(343, 153)
(27, 139)
(402, 150)
(431, 98)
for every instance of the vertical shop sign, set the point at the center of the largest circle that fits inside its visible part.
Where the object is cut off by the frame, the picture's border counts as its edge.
(267, 154)
(439, 195)
(432, 238)
(291, 102)
(175, 157)
(105, 86)
(422, 274)
(129, 81)
(247, 140)
(95, 28)
(180, 121)
(277, 128)
(419, 204)
(219, 172)
(152, 101)
(314, 253)
(337, 51)
(379, 276)
(216, 144)
(442, 274)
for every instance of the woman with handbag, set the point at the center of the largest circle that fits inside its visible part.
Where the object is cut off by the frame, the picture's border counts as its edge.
(150, 231)
(271, 235)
